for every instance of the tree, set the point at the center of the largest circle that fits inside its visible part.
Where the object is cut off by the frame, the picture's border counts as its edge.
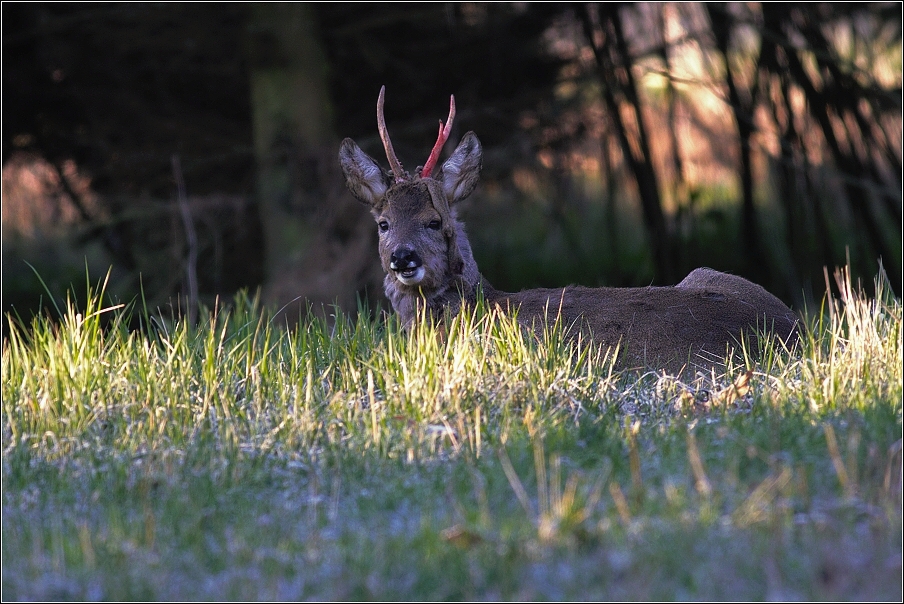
(318, 247)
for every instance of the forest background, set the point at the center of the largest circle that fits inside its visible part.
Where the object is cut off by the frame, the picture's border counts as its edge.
(193, 147)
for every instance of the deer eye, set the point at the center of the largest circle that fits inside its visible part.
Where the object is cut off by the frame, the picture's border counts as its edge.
(383, 226)
(434, 225)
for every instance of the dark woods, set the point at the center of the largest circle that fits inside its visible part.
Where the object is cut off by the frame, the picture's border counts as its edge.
(193, 146)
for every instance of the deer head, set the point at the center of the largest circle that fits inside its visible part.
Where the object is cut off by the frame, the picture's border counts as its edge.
(422, 244)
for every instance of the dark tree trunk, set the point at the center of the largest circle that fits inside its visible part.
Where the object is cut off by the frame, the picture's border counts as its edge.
(319, 243)
(742, 107)
(620, 91)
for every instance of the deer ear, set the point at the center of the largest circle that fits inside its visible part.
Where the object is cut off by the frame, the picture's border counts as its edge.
(460, 173)
(363, 175)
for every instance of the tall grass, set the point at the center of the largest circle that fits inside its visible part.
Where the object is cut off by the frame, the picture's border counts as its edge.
(345, 458)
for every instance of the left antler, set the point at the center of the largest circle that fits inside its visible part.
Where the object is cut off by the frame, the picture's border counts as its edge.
(440, 140)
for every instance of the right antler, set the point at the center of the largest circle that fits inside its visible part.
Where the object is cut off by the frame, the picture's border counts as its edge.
(384, 136)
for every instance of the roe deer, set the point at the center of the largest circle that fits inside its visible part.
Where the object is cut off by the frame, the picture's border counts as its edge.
(428, 262)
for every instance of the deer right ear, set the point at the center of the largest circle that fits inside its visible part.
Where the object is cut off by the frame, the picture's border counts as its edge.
(363, 175)
(461, 172)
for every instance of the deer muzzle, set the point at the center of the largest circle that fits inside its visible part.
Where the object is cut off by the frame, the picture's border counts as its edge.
(407, 266)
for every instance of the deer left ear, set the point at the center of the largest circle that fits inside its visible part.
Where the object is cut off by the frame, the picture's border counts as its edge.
(363, 175)
(460, 173)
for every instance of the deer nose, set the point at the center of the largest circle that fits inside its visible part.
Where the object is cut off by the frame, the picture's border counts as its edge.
(404, 259)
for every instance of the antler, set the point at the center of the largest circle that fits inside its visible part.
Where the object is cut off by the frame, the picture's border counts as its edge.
(440, 140)
(384, 136)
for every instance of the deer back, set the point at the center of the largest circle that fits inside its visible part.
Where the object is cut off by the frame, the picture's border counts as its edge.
(676, 328)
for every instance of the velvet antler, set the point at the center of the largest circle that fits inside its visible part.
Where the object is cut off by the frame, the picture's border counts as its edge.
(440, 140)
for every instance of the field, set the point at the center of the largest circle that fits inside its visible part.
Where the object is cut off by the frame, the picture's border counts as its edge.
(346, 459)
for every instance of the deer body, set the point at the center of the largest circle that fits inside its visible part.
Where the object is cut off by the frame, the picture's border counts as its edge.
(428, 262)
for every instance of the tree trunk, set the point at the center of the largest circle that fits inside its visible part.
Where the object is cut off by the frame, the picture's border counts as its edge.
(619, 91)
(743, 106)
(320, 245)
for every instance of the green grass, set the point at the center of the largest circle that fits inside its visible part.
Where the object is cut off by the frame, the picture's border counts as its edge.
(348, 460)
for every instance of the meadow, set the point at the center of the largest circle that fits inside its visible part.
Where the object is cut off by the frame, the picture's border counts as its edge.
(346, 459)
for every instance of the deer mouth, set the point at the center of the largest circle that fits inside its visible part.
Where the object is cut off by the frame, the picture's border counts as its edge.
(411, 276)
(407, 266)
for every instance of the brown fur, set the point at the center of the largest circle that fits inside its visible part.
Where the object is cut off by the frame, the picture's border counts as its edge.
(691, 325)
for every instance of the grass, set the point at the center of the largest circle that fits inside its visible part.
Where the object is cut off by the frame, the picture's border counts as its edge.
(349, 460)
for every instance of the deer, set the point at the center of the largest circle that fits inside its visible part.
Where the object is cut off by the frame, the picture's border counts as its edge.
(429, 266)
